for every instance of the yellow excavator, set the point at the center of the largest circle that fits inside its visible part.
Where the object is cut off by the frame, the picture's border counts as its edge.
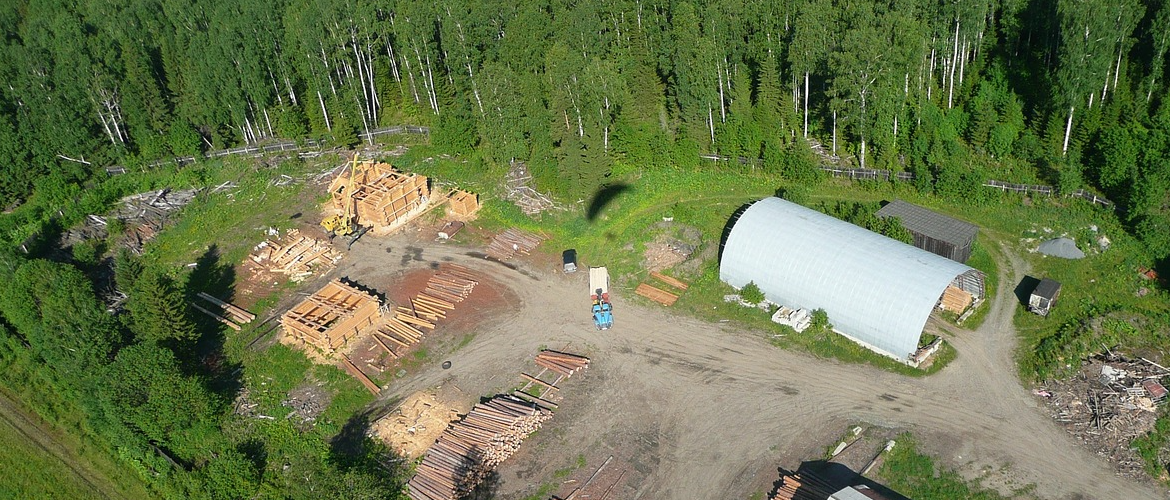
(345, 223)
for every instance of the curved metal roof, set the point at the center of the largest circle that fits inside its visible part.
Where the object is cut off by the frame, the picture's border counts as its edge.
(876, 290)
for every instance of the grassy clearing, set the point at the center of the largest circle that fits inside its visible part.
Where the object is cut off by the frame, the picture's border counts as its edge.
(916, 475)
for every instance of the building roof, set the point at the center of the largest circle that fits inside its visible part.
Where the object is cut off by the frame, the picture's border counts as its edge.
(876, 290)
(930, 223)
(1047, 288)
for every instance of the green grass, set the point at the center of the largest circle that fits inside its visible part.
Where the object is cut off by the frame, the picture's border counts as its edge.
(917, 475)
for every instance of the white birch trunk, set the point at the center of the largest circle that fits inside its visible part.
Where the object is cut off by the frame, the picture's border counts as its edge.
(269, 122)
(431, 76)
(834, 132)
(930, 75)
(954, 63)
(292, 96)
(722, 111)
(324, 112)
(806, 104)
(393, 62)
(711, 123)
(1067, 131)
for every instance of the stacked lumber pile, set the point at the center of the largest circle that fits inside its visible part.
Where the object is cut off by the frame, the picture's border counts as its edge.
(508, 243)
(232, 315)
(382, 197)
(794, 486)
(956, 299)
(295, 255)
(561, 363)
(329, 318)
(404, 328)
(659, 295)
(471, 448)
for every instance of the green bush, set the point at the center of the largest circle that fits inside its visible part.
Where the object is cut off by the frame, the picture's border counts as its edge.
(751, 293)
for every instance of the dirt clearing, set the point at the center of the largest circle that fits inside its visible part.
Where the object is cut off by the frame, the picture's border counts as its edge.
(695, 410)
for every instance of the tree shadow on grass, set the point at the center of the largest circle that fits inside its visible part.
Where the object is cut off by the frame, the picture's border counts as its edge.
(217, 279)
(731, 225)
(353, 450)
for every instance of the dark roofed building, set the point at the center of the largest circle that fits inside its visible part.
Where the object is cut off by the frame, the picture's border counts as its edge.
(1044, 296)
(934, 232)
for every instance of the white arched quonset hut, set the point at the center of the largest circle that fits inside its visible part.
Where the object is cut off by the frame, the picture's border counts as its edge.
(876, 290)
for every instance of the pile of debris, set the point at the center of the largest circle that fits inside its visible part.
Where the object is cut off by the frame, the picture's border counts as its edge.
(471, 449)
(659, 295)
(518, 189)
(1107, 404)
(307, 402)
(416, 423)
(294, 255)
(448, 287)
(142, 217)
(508, 243)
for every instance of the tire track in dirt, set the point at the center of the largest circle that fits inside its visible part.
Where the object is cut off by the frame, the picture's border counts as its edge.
(14, 416)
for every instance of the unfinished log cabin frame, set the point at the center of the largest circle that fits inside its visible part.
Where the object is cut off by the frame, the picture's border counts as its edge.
(329, 318)
(462, 203)
(383, 198)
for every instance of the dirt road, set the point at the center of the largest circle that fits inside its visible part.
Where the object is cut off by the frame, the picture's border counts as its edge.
(696, 410)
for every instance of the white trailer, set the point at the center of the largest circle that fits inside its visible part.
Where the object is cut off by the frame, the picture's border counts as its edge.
(599, 283)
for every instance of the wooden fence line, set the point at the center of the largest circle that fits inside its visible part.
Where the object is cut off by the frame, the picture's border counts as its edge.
(272, 147)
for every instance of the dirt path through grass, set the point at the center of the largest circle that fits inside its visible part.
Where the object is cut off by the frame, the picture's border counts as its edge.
(40, 438)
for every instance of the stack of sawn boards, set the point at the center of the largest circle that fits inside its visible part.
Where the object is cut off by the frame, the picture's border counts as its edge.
(506, 244)
(471, 448)
(446, 288)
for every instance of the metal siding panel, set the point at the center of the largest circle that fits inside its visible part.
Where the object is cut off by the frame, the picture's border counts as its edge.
(876, 289)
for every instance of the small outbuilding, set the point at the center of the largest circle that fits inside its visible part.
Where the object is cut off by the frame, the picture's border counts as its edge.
(1044, 296)
(934, 232)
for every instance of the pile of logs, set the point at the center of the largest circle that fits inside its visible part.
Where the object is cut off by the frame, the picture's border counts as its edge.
(794, 486)
(446, 288)
(659, 295)
(233, 316)
(471, 448)
(295, 255)
(508, 243)
(561, 363)
(142, 215)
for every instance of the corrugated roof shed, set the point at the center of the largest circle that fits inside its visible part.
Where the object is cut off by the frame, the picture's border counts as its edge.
(1047, 288)
(876, 290)
(930, 223)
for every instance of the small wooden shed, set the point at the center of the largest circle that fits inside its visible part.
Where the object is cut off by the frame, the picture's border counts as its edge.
(463, 203)
(329, 318)
(934, 232)
(1044, 296)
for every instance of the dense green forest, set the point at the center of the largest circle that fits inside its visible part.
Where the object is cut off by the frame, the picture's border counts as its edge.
(1069, 93)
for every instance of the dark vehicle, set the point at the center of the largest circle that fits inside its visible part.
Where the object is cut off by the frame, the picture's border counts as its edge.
(570, 258)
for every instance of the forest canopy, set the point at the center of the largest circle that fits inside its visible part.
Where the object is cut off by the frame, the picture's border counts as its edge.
(1066, 92)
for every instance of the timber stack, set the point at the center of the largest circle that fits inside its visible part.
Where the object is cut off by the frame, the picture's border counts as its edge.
(508, 243)
(443, 291)
(561, 363)
(470, 449)
(294, 255)
(231, 315)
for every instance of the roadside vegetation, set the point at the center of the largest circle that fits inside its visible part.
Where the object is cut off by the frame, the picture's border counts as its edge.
(917, 475)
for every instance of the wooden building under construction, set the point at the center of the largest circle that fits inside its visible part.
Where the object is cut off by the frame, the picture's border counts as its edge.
(329, 318)
(383, 198)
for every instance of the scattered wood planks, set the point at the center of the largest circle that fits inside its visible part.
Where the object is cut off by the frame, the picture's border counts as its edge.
(470, 449)
(669, 280)
(295, 255)
(357, 373)
(237, 313)
(508, 243)
(404, 327)
(656, 294)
